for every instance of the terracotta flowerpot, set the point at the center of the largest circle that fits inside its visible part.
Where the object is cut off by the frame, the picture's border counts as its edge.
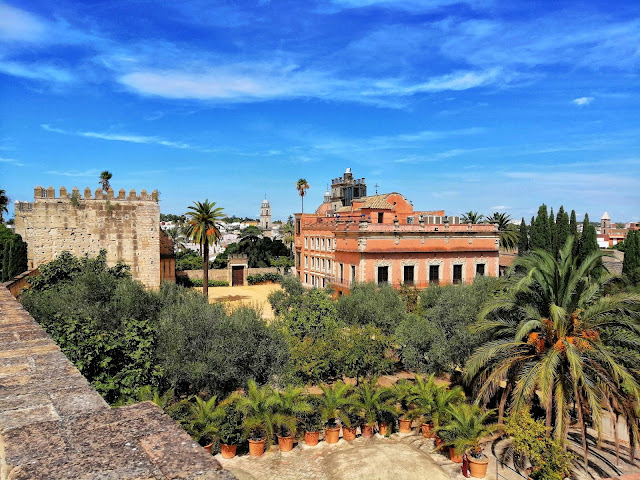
(478, 466)
(208, 448)
(454, 456)
(311, 438)
(228, 451)
(367, 431)
(256, 447)
(332, 435)
(427, 430)
(285, 443)
(438, 442)
(382, 429)
(405, 426)
(348, 433)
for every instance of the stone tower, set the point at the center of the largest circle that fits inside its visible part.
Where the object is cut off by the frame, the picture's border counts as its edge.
(605, 224)
(265, 215)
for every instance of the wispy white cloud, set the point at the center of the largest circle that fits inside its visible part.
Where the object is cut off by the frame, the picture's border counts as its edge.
(11, 161)
(409, 5)
(36, 71)
(582, 101)
(500, 207)
(75, 173)
(124, 138)
(16, 24)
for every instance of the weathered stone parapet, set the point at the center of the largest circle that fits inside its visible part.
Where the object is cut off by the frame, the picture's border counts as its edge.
(40, 193)
(54, 425)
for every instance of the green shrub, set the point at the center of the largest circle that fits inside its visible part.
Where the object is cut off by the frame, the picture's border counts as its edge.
(265, 277)
(197, 282)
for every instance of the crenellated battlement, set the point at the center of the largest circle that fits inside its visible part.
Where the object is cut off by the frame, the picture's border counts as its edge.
(40, 193)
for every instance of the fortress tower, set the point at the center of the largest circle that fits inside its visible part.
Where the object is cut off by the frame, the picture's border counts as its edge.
(605, 224)
(127, 226)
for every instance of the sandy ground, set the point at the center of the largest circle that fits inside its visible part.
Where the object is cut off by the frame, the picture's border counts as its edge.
(254, 295)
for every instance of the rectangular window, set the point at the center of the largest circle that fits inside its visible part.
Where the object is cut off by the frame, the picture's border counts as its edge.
(306, 242)
(457, 274)
(323, 244)
(480, 270)
(323, 264)
(323, 283)
(318, 243)
(383, 275)
(312, 243)
(313, 263)
(434, 274)
(298, 226)
(408, 274)
(306, 261)
(329, 266)
(341, 273)
(353, 273)
(298, 260)
(329, 244)
(409, 219)
(306, 278)
(380, 217)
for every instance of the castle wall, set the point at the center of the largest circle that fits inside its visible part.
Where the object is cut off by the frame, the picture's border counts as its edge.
(126, 226)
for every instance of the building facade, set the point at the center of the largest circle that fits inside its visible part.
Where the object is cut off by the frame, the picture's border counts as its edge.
(126, 226)
(382, 239)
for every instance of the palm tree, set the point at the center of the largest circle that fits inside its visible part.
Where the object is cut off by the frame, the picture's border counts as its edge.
(104, 180)
(554, 333)
(372, 401)
(468, 425)
(291, 405)
(509, 233)
(178, 238)
(302, 185)
(204, 419)
(203, 228)
(259, 409)
(288, 236)
(471, 217)
(334, 404)
(4, 201)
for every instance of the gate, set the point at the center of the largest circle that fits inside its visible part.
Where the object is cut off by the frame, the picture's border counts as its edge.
(237, 276)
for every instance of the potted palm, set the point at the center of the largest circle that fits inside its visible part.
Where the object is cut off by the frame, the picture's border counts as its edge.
(402, 393)
(350, 421)
(386, 420)
(333, 404)
(290, 404)
(421, 396)
(372, 401)
(443, 398)
(312, 424)
(466, 428)
(258, 407)
(230, 427)
(202, 420)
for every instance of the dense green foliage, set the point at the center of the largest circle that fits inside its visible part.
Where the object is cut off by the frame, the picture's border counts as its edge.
(189, 260)
(370, 304)
(13, 254)
(261, 252)
(102, 320)
(122, 337)
(631, 265)
(438, 339)
(197, 282)
(264, 277)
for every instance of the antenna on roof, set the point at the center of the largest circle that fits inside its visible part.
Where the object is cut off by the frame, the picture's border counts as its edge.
(376, 185)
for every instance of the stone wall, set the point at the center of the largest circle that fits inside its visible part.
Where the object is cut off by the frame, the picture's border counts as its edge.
(223, 274)
(127, 226)
(54, 425)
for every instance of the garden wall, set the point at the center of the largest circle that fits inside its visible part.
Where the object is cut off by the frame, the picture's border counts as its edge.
(223, 274)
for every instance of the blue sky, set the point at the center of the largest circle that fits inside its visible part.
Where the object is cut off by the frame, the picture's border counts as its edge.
(477, 105)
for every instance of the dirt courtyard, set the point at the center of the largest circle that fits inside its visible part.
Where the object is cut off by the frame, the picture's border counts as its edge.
(253, 295)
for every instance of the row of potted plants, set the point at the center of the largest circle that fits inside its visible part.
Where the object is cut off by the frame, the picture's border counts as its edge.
(263, 413)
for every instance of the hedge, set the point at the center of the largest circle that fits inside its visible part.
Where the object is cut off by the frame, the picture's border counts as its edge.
(197, 282)
(266, 277)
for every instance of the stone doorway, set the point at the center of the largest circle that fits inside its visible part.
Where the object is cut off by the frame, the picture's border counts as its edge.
(237, 275)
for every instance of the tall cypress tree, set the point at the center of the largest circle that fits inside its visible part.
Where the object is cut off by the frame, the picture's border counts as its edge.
(631, 253)
(588, 239)
(523, 238)
(562, 228)
(18, 257)
(6, 256)
(540, 229)
(553, 239)
(573, 230)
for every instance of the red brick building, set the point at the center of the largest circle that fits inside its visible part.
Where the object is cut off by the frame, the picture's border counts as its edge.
(382, 239)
